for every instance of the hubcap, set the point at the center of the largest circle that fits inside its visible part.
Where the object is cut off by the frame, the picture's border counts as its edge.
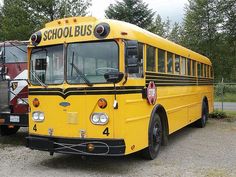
(156, 136)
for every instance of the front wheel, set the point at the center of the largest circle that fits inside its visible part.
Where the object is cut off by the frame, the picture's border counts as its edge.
(4, 130)
(154, 138)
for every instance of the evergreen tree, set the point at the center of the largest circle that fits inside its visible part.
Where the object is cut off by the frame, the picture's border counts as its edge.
(160, 27)
(132, 11)
(176, 33)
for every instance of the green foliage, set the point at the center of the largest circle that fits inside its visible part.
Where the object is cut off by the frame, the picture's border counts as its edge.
(132, 11)
(228, 91)
(176, 33)
(20, 18)
(160, 27)
(218, 114)
(209, 28)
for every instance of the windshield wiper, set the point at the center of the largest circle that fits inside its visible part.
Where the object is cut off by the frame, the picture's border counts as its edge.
(33, 73)
(81, 74)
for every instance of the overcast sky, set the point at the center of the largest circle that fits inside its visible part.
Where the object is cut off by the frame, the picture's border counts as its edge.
(174, 9)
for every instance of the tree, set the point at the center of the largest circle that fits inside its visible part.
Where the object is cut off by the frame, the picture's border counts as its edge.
(20, 18)
(160, 27)
(176, 33)
(15, 21)
(132, 11)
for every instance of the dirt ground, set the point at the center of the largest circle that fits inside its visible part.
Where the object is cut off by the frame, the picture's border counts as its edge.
(208, 152)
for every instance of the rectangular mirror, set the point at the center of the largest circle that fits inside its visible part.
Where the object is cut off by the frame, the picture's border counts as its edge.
(132, 64)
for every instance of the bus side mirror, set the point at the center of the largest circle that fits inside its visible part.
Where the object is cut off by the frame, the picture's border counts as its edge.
(114, 77)
(131, 58)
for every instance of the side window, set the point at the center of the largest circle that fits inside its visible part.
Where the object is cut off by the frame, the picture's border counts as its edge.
(170, 62)
(189, 66)
(194, 68)
(140, 59)
(199, 69)
(183, 66)
(177, 66)
(161, 61)
(205, 70)
(151, 58)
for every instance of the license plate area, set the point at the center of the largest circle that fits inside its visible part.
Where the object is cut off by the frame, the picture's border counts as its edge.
(14, 119)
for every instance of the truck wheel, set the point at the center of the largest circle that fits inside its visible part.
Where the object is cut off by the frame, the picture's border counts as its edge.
(4, 130)
(154, 138)
(201, 123)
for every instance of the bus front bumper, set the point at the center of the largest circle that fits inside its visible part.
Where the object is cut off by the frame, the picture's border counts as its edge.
(100, 147)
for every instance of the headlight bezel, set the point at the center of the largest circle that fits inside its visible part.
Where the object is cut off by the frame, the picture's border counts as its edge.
(99, 115)
(38, 116)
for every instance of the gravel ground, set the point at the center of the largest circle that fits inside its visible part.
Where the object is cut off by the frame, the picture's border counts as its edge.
(208, 152)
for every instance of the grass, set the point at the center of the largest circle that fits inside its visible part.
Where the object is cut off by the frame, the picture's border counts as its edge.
(228, 97)
(231, 113)
(229, 116)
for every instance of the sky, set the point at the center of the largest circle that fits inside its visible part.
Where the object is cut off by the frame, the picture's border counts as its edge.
(174, 9)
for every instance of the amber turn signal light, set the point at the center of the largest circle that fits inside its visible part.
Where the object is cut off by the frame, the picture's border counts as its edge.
(36, 102)
(102, 103)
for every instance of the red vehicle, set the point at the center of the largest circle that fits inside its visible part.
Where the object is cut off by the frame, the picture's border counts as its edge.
(13, 87)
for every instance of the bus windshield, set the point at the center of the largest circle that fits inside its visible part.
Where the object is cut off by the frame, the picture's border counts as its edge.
(46, 65)
(15, 54)
(88, 62)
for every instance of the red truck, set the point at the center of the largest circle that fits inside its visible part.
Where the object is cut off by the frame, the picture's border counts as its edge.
(13, 86)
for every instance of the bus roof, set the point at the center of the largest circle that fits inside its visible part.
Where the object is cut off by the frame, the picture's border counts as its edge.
(118, 30)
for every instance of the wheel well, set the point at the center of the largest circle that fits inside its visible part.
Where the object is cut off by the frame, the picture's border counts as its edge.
(159, 109)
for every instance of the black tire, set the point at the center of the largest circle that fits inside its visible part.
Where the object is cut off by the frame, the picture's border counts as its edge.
(154, 138)
(4, 130)
(201, 123)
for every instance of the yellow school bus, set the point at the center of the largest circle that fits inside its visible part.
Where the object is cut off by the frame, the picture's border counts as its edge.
(110, 88)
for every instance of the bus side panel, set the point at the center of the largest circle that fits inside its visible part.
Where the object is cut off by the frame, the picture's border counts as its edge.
(135, 112)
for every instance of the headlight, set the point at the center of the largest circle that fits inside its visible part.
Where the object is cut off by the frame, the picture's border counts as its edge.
(22, 101)
(38, 116)
(99, 118)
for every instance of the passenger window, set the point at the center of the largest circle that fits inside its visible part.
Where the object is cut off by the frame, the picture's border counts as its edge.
(202, 69)
(205, 70)
(189, 66)
(199, 69)
(170, 62)
(177, 60)
(183, 66)
(161, 61)
(194, 68)
(151, 58)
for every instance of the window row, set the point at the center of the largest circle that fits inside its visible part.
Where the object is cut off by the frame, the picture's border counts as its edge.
(175, 64)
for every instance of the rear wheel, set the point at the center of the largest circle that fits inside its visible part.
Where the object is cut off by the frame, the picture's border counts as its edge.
(202, 121)
(154, 138)
(5, 130)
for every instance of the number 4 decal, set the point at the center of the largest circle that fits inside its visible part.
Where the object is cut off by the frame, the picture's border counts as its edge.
(106, 131)
(35, 128)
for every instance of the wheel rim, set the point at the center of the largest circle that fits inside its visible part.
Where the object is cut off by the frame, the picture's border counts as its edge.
(156, 136)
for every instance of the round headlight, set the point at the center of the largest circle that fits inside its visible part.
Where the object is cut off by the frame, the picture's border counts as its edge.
(35, 116)
(41, 116)
(95, 118)
(103, 118)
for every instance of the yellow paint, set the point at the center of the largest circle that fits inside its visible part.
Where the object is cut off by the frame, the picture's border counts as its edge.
(131, 120)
